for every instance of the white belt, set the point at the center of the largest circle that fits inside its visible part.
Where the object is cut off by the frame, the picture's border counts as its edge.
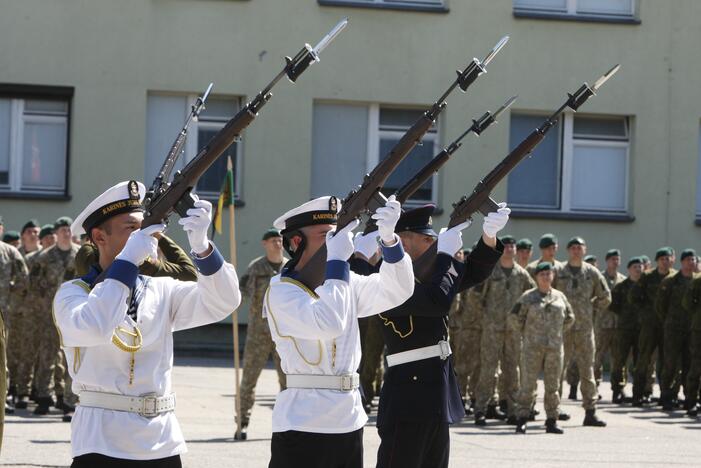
(441, 350)
(147, 405)
(345, 383)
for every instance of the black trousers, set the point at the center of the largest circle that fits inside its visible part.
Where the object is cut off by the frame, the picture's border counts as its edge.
(295, 449)
(96, 460)
(414, 444)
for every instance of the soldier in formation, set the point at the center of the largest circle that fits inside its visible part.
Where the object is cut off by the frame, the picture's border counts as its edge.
(500, 348)
(259, 344)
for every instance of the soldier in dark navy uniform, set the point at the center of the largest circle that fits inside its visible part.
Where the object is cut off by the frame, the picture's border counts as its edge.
(421, 396)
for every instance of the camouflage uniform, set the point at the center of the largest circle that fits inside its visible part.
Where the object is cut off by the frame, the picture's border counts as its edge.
(499, 348)
(23, 338)
(259, 344)
(465, 319)
(585, 289)
(605, 334)
(542, 320)
(174, 261)
(643, 295)
(677, 335)
(627, 331)
(50, 269)
(692, 302)
(13, 280)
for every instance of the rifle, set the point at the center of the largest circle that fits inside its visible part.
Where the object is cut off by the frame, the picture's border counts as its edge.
(421, 177)
(176, 196)
(480, 199)
(367, 197)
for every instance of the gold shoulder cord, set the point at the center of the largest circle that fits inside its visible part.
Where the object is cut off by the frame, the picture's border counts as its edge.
(390, 323)
(294, 342)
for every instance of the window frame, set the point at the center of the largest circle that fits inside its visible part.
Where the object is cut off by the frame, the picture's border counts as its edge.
(572, 13)
(18, 94)
(407, 5)
(566, 144)
(192, 146)
(375, 134)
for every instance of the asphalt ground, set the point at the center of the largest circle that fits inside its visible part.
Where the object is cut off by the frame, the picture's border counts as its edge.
(205, 387)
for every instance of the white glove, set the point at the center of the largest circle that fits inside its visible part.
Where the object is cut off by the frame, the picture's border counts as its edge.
(387, 218)
(450, 240)
(340, 246)
(141, 245)
(196, 225)
(366, 244)
(495, 222)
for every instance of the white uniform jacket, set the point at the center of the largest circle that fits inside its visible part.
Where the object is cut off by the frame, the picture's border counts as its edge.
(87, 320)
(316, 332)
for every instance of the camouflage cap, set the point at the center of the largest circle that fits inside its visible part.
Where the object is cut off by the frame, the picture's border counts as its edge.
(613, 253)
(10, 236)
(507, 239)
(590, 259)
(46, 230)
(543, 266)
(547, 240)
(524, 244)
(576, 240)
(32, 223)
(688, 253)
(663, 252)
(272, 232)
(63, 221)
(634, 261)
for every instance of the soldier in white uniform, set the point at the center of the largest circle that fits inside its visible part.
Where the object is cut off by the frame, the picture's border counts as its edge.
(318, 420)
(116, 329)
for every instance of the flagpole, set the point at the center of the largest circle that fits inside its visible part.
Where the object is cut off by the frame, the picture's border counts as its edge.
(235, 313)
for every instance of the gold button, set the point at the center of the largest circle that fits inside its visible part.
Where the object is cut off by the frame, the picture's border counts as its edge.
(415, 378)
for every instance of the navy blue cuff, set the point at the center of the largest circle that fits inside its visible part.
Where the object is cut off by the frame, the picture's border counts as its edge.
(123, 271)
(338, 270)
(392, 254)
(209, 264)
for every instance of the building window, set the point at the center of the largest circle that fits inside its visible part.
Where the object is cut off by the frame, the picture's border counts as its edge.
(165, 117)
(350, 139)
(577, 9)
(33, 146)
(580, 167)
(425, 5)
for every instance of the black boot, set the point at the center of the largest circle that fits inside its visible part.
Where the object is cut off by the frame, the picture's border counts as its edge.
(43, 405)
(551, 427)
(59, 402)
(563, 416)
(521, 426)
(480, 419)
(617, 397)
(573, 392)
(494, 413)
(22, 402)
(504, 406)
(242, 434)
(590, 419)
(532, 415)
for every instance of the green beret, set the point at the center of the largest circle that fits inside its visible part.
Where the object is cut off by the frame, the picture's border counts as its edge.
(32, 223)
(524, 244)
(590, 259)
(644, 259)
(576, 240)
(63, 221)
(272, 232)
(10, 236)
(635, 261)
(547, 240)
(507, 239)
(613, 253)
(466, 252)
(688, 253)
(46, 230)
(543, 266)
(664, 252)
